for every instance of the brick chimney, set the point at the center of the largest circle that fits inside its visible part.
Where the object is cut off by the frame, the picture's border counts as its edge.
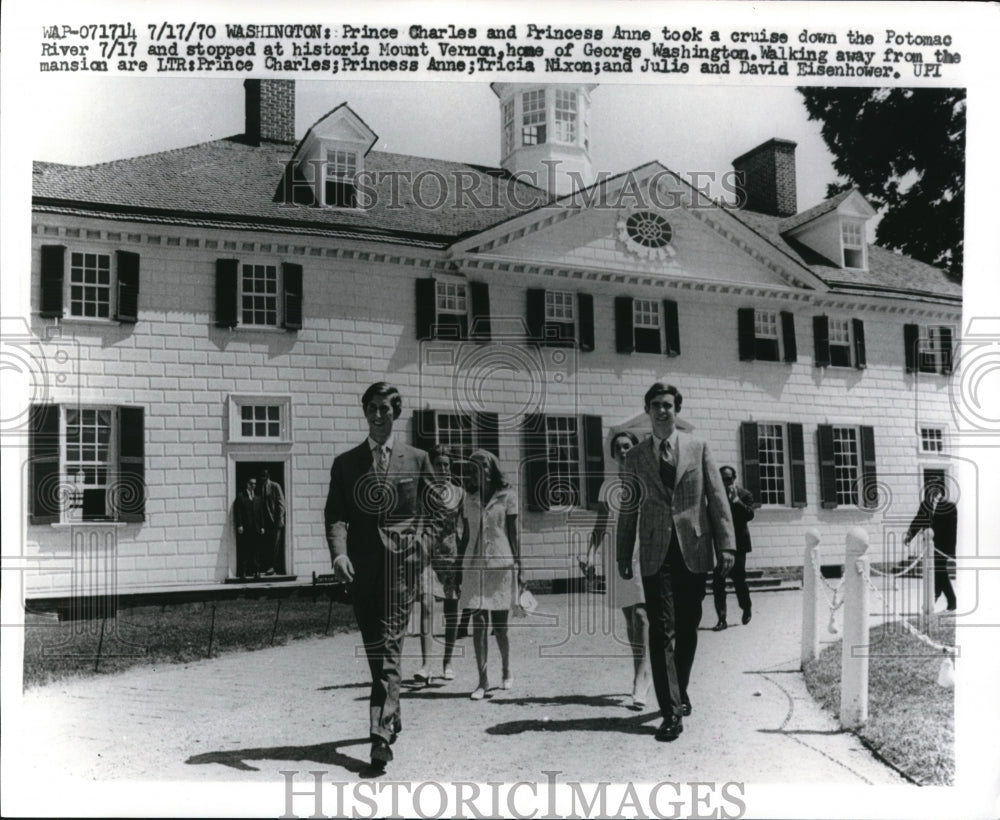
(270, 111)
(769, 177)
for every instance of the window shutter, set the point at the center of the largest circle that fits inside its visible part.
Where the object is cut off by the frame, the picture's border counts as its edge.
(536, 462)
(671, 327)
(860, 358)
(536, 314)
(788, 334)
(479, 296)
(869, 477)
(128, 287)
(747, 334)
(946, 349)
(585, 304)
(797, 457)
(488, 432)
(911, 338)
(751, 459)
(53, 271)
(226, 292)
(821, 340)
(827, 472)
(624, 337)
(291, 276)
(593, 458)
(130, 493)
(426, 308)
(424, 429)
(43, 446)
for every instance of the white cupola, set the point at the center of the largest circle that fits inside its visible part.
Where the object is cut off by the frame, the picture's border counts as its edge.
(545, 134)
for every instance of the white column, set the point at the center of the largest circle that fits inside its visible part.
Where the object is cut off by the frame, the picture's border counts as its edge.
(810, 597)
(855, 647)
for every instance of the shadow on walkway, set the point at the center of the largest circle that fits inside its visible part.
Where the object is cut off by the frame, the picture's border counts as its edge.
(322, 753)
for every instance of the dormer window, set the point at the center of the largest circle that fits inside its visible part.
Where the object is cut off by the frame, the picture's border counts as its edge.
(852, 240)
(533, 118)
(341, 171)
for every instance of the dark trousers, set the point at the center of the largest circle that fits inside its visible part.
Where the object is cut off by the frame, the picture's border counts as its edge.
(270, 549)
(739, 575)
(673, 604)
(942, 583)
(247, 549)
(382, 605)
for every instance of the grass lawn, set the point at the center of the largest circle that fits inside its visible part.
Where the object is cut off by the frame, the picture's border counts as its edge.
(911, 719)
(177, 633)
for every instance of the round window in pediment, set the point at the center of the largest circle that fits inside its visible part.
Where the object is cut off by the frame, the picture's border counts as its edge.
(647, 234)
(648, 229)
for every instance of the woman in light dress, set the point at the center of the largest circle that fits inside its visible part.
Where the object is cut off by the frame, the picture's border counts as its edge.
(491, 566)
(622, 594)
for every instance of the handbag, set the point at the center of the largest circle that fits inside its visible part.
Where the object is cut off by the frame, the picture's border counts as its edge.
(525, 604)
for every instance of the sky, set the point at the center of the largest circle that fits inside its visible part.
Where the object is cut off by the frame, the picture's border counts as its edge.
(687, 128)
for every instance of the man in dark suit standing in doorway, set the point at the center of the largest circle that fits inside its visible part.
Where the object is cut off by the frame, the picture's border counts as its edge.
(272, 503)
(941, 516)
(682, 514)
(249, 530)
(379, 536)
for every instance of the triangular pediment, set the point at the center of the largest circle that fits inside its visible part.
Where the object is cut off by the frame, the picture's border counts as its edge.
(339, 126)
(647, 223)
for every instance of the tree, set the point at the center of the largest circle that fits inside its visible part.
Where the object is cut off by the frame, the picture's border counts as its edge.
(904, 149)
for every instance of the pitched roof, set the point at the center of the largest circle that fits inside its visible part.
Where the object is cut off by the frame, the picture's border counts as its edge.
(888, 272)
(230, 180)
(232, 183)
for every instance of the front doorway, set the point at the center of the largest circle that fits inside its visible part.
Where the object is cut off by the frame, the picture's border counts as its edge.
(276, 473)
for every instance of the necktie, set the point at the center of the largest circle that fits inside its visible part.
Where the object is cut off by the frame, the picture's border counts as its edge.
(668, 471)
(383, 458)
(666, 453)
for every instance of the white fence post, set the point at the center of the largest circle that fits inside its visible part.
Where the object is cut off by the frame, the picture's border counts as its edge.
(927, 581)
(810, 597)
(854, 650)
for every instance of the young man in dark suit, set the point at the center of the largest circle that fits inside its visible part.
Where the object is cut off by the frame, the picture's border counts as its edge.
(741, 509)
(682, 514)
(249, 530)
(379, 535)
(941, 516)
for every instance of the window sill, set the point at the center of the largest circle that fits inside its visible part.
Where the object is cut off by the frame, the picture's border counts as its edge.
(66, 525)
(268, 329)
(260, 441)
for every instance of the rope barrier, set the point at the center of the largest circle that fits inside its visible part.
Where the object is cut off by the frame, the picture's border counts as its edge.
(901, 572)
(947, 650)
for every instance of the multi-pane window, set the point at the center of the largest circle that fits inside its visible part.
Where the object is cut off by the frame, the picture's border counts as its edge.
(507, 115)
(260, 421)
(765, 324)
(341, 170)
(451, 297)
(90, 285)
(771, 454)
(565, 115)
(931, 439)
(646, 325)
(562, 443)
(840, 342)
(88, 456)
(533, 117)
(455, 431)
(846, 462)
(559, 306)
(935, 349)
(259, 295)
(852, 239)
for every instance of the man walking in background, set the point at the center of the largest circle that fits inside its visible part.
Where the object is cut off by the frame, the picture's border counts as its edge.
(379, 538)
(941, 516)
(741, 509)
(682, 514)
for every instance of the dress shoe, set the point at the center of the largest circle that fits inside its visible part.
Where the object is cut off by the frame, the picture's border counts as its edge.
(746, 616)
(720, 626)
(685, 706)
(381, 753)
(397, 730)
(670, 729)
(422, 676)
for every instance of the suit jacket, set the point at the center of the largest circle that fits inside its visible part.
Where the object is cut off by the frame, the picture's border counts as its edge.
(370, 517)
(698, 512)
(942, 521)
(742, 512)
(273, 504)
(247, 514)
